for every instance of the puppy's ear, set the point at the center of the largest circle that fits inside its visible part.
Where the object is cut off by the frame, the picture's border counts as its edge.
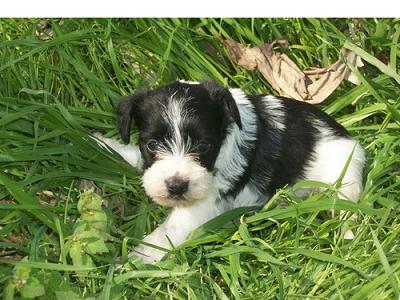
(222, 94)
(128, 110)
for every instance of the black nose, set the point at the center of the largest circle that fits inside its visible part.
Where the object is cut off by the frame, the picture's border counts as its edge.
(177, 186)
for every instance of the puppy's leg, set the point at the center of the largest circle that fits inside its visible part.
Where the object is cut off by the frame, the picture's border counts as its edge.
(331, 156)
(179, 224)
(130, 153)
(351, 185)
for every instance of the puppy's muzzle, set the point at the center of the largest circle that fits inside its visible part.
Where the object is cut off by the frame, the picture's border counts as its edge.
(176, 186)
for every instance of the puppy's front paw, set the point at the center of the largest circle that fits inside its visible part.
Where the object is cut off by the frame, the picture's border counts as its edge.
(147, 254)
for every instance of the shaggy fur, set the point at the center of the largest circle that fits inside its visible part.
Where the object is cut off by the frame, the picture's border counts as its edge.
(205, 149)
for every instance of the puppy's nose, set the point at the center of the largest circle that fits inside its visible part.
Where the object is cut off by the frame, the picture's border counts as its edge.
(176, 186)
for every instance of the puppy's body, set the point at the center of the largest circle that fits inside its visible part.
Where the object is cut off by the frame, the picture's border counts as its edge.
(205, 150)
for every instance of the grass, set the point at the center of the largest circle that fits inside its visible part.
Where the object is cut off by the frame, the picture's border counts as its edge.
(59, 83)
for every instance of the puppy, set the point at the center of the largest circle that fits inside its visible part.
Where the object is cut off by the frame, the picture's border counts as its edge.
(205, 149)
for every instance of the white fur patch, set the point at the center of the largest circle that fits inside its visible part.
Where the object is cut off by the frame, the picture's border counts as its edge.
(275, 111)
(230, 162)
(188, 82)
(249, 196)
(331, 155)
(183, 166)
(240, 97)
(174, 115)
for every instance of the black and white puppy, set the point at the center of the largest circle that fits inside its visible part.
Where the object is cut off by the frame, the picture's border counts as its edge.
(205, 149)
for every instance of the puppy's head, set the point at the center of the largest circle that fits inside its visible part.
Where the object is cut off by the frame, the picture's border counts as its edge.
(181, 128)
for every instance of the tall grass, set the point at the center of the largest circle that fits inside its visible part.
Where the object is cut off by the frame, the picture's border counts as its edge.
(60, 82)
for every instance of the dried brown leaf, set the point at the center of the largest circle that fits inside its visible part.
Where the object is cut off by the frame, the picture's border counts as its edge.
(311, 85)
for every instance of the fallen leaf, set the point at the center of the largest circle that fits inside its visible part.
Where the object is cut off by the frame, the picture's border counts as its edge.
(312, 85)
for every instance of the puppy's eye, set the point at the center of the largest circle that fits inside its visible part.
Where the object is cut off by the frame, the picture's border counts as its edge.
(202, 148)
(152, 145)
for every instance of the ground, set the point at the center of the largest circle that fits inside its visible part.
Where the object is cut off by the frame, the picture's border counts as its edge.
(60, 80)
